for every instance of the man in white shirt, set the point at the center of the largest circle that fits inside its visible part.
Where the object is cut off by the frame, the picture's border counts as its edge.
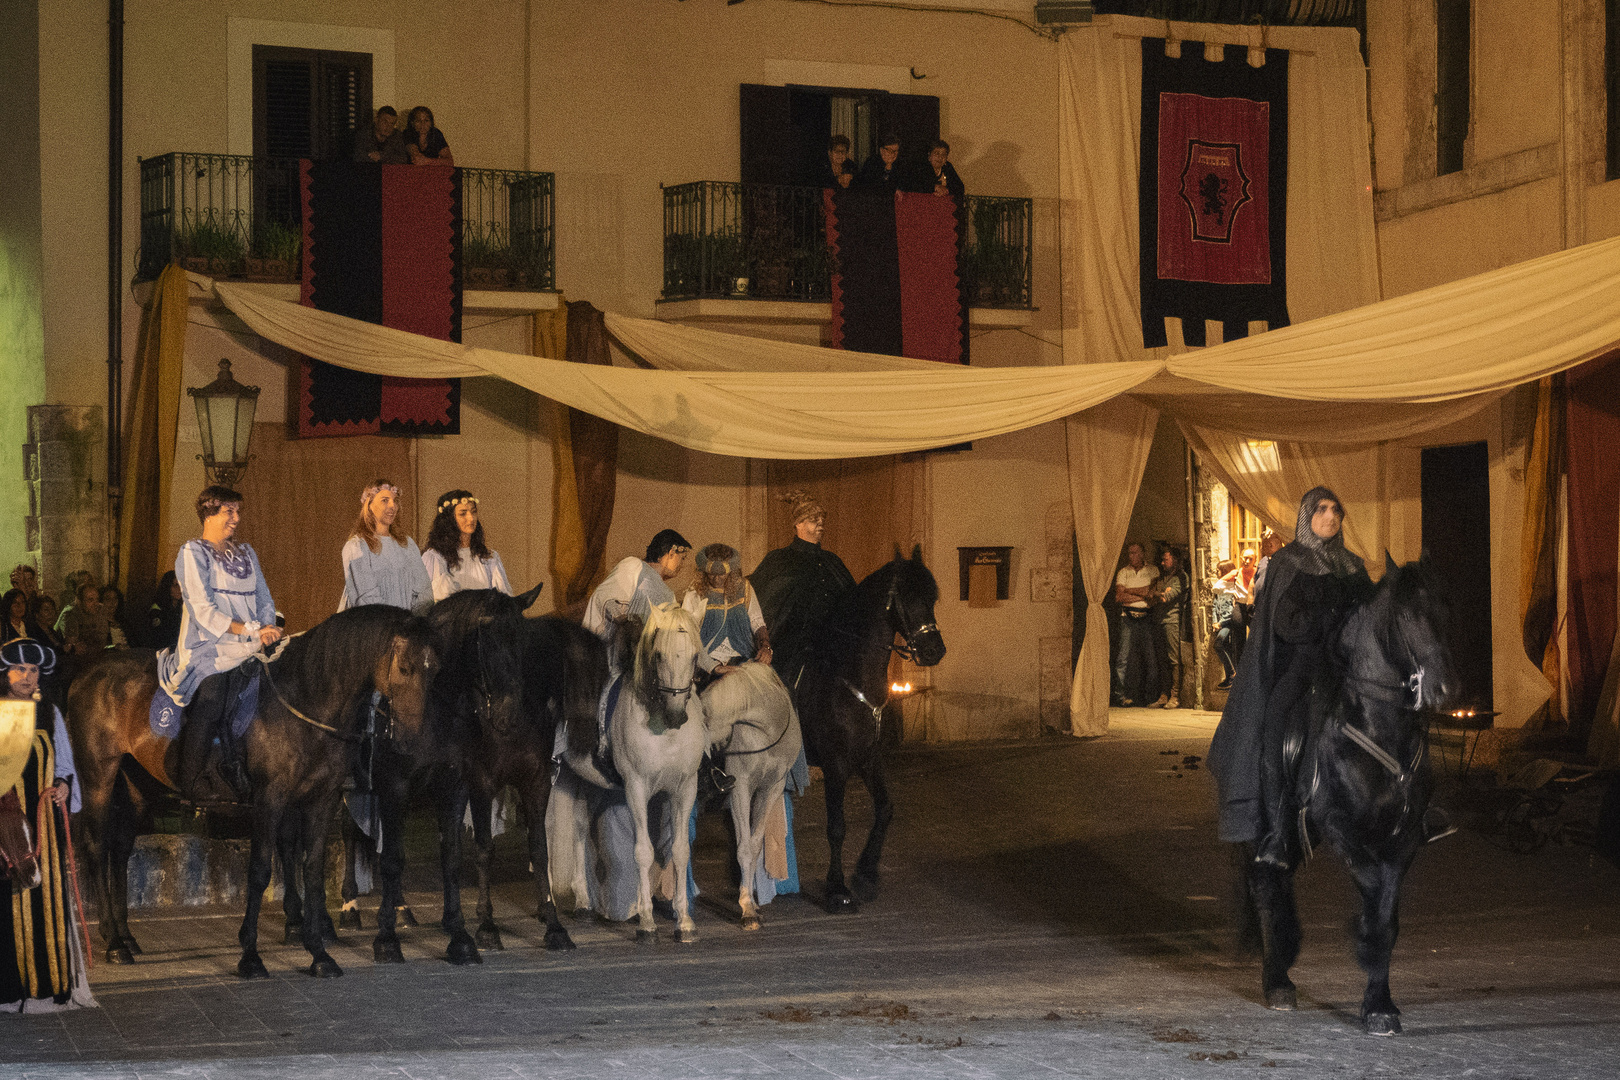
(1131, 588)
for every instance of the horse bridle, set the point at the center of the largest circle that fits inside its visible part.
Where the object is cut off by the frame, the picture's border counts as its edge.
(908, 651)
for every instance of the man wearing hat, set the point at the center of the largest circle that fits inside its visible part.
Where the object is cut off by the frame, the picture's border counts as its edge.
(798, 586)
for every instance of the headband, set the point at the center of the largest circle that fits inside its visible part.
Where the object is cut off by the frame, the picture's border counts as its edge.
(365, 497)
(27, 651)
(453, 504)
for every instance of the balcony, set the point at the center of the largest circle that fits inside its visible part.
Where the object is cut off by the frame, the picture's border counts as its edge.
(230, 215)
(730, 241)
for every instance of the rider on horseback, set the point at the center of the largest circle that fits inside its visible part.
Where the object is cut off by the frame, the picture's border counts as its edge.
(228, 617)
(1310, 585)
(798, 586)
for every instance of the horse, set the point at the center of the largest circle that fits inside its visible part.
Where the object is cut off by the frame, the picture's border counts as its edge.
(840, 689)
(313, 705)
(563, 669)
(474, 714)
(750, 713)
(1364, 780)
(657, 737)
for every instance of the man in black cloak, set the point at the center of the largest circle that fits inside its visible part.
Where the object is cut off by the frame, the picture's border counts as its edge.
(798, 586)
(1310, 586)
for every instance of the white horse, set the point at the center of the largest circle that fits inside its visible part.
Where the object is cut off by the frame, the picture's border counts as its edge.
(751, 714)
(657, 738)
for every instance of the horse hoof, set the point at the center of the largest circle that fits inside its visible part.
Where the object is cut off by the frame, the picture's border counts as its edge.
(841, 903)
(866, 888)
(489, 937)
(685, 937)
(387, 952)
(349, 919)
(324, 967)
(1282, 998)
(293, 934)
(251, 967)
(120, 954)
(559, 941)
(1382, 1024)
(463, 951)
(750, 922)
(646, 937)
(406, 916)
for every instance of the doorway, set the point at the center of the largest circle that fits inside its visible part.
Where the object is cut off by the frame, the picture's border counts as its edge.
(1457, 538)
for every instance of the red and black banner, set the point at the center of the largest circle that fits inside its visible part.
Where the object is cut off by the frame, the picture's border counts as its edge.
(381, 243)
(1214, 191)
(896, 287)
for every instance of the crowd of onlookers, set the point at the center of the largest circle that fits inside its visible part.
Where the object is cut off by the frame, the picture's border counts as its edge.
(89, 616)
(420, 143)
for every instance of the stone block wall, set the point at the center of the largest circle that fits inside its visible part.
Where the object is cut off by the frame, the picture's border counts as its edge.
(65, 470)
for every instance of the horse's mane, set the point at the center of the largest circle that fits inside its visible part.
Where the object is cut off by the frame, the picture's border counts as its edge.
(865, 600)
(583, 672)
(338, 657)
(455, 621)
(743, 693)
(644, 672)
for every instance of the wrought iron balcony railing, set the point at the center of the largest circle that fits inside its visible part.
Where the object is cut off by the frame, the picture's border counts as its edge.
(1243, 12)
(231, 215)
(764, 242)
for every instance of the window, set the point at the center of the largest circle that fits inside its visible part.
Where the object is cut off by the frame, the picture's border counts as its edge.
(1246, 530)
(308, 103)
(785, 128)
(1453, 32)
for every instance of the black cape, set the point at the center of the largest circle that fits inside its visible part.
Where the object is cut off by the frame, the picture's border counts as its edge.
(1289, 615)
(798, 586)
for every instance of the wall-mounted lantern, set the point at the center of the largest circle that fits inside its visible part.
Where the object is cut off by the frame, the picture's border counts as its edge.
(225, 411)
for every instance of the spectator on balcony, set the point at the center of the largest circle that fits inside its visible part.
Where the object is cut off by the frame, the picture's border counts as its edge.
(882, 172)
(838, 172)
(384, 143)
(943, 173)
(425, 142)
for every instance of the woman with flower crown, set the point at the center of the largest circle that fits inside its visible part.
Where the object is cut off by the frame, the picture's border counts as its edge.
(457, 557)
(382, 565)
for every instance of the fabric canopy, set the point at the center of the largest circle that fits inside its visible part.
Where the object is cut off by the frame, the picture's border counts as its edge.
(1389, 370)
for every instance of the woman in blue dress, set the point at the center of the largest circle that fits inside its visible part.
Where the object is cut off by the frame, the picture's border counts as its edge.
(228, 616)
(382, 565)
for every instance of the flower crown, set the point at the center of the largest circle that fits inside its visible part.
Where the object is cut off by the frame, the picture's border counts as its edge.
(452, 504)
(366, 496)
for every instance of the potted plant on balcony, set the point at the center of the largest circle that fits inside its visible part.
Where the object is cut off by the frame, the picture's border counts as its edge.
(486, 261)
(279, 244)
(210, 248)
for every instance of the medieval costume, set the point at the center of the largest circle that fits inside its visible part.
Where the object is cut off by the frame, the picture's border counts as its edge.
(1310, 586)
(798, 586)
(381, 565)
(217, 588)
(456, 559)
(43, 965)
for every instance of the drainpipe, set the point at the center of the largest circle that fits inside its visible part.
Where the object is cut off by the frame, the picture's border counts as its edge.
(115, 275)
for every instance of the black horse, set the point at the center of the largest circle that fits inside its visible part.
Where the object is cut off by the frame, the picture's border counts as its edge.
(563, 668)
(1364, 780)
(840, 693)
(314, 701)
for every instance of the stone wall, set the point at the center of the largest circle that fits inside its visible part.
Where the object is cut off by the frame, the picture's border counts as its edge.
(65, 469)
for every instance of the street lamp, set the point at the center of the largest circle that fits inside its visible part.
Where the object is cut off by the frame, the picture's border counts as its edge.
(225, 420)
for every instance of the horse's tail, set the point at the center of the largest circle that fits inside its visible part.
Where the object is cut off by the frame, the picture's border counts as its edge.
(753, 692)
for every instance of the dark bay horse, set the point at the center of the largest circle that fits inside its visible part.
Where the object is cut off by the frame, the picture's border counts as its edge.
(840, 693)
(1364, 779)
(313, 703)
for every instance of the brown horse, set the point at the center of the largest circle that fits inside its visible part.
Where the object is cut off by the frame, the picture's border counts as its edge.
(314, 703)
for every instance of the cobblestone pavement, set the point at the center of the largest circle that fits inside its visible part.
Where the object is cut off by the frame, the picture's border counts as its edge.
(1049, 908)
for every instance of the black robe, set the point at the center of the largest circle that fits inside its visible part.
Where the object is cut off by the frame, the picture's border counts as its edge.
(798, 586)
(1294, 615)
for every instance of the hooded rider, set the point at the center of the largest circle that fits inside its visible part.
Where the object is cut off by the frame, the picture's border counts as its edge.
(1310, 586)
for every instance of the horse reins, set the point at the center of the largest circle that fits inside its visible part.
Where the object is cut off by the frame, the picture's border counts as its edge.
(290, 707)
(756, 727)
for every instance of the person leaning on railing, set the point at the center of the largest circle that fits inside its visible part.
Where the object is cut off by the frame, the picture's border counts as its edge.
(383, 142)
(425, 142)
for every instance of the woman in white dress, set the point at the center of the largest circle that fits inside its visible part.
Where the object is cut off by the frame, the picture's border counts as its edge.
(382, 565)
(457, 557)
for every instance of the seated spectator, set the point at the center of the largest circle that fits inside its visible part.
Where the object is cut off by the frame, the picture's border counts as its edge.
(19, 621)
(838, 172)
(112, 611)
(945, 180)
(163, 617)
(882, 172)
(26, 579)
(383, 141)
(82, 627)
(425, 142)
